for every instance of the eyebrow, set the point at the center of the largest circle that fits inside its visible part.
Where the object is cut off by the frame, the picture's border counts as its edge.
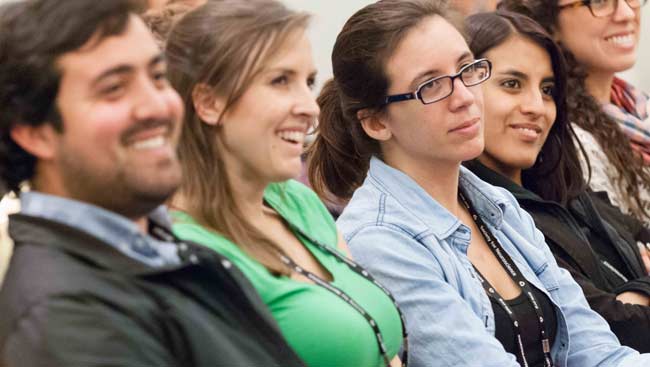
(428, 73)
(290, 71)
(520, 75)
(126, 68)
(514, 73)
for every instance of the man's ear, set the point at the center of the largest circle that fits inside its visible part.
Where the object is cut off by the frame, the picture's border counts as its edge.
(374, 125)
(40, 141)
(207, 105)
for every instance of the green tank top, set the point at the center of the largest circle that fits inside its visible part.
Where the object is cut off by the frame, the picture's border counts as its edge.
(322, 328)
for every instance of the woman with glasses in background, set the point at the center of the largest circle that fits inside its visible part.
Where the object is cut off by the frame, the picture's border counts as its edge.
(609, 115)
(402, 112)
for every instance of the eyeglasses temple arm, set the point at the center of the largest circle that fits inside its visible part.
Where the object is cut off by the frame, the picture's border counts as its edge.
(399, 98)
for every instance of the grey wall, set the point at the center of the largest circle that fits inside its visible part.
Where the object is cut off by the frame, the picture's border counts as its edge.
(328, 19)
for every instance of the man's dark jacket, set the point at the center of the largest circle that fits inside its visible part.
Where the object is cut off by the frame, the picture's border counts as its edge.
(71, 300)
(575, 234)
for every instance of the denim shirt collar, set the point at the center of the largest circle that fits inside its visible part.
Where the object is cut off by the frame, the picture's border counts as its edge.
(442, 223)
(111, 228)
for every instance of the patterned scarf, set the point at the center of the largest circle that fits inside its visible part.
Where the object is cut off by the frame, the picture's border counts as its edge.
(629, 108)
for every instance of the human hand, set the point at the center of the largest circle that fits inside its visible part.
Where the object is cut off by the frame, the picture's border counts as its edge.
(634, 298)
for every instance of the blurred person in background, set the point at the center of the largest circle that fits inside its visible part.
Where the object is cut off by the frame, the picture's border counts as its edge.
(90, 121)
(8, 205)
(160, 18)
(468, 7)
(160, 4)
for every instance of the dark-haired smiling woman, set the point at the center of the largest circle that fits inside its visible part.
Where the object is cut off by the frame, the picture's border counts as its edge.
(529, 151)
(394, 129)
(600, 38)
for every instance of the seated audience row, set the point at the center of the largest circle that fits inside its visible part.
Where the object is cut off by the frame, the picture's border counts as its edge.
(249, 267)
(410, 219)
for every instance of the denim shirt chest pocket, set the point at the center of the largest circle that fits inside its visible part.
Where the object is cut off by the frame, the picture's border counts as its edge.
(529, 259)
(461, 274)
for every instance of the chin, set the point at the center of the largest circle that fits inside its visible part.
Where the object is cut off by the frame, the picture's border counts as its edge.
(472, 150)
(621, 64)
(626, 66)
(288, 174)
(526, 164)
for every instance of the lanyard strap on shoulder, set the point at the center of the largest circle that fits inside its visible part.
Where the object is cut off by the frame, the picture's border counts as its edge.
(345, 297)
(512, 270)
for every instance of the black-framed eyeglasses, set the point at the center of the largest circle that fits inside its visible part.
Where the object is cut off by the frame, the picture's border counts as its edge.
(603, 8)
(441, 87)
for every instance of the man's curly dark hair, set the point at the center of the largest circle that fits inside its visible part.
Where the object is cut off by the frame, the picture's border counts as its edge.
(33, 35)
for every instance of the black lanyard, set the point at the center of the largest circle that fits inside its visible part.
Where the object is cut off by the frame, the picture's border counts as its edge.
(341, 294)
(511, 269)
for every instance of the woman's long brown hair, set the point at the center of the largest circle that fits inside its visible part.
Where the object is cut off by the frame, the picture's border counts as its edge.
(557, 176)
(224, 45)
(340, 155)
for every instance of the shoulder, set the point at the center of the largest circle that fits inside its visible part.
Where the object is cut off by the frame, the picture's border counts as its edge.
(514, 218)
(293, 195)
(591, 145)
(188, 229)
(39, 333)
(300, 206)
(486, 192)
(39, 276)
(372, 209)
(37, 271)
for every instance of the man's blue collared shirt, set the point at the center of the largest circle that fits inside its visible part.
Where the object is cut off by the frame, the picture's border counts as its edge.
(418, 250)
(109, 227)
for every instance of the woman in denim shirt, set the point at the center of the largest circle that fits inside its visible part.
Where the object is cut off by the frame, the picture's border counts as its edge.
(407, 222)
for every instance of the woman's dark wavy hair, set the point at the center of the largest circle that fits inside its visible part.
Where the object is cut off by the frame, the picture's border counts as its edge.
(556, 174)
(33, 35)
(339, 157)
(585, 111)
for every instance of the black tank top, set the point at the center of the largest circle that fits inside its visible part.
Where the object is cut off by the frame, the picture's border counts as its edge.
(529, 326)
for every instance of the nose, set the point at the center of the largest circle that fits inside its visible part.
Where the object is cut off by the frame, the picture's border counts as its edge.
(305, 104)
(462, 96)
(533, 103)
(623, 11)
(152, 101)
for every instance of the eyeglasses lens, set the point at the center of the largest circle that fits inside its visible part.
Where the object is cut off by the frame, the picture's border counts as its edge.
(603, 8)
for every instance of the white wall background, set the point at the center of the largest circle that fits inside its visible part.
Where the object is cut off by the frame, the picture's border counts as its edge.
(330, 15)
